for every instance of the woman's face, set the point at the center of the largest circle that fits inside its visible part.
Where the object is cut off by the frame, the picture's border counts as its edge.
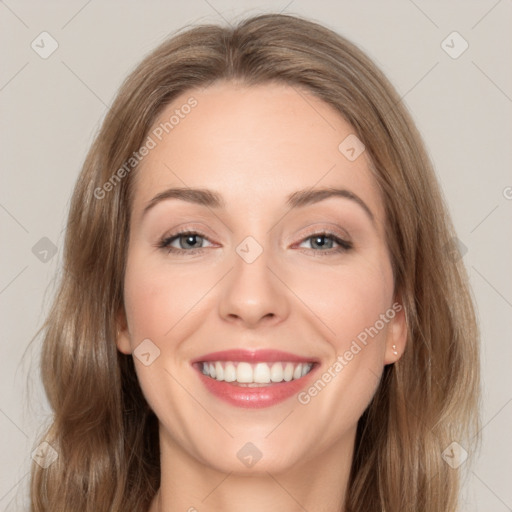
(272, 278)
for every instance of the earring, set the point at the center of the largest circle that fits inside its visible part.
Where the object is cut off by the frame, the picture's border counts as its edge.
(395, 351)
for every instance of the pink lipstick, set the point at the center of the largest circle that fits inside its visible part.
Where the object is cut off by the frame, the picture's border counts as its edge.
(254, 378)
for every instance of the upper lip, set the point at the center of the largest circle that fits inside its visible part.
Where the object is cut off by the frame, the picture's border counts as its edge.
(260, 355)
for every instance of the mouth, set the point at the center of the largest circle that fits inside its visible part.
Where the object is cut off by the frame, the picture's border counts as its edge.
(254, 378)
(242, 373)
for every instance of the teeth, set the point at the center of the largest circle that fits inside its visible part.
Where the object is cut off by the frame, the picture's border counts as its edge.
(288, 372)
(229, 372)
(244, 373)
(276, 372)
(258, 373)
(219, 371)
(261, 373)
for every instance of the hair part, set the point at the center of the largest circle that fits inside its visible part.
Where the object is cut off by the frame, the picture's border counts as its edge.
(104, 432)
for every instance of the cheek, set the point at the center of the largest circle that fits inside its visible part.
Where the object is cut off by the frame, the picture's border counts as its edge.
(157, 298)
(348, 299)
(357, 307)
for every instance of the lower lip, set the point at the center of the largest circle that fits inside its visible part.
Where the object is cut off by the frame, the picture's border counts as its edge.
(255, 397)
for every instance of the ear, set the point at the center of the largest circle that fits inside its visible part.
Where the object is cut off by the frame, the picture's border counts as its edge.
(397, 334)
(123, 336)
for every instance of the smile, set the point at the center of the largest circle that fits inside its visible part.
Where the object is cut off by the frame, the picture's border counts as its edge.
(254, 374)
(253, 379)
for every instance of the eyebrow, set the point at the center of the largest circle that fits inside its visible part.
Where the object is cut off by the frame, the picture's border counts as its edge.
(298, 199)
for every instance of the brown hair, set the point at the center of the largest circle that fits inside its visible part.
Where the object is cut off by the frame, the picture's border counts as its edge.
(105, 434)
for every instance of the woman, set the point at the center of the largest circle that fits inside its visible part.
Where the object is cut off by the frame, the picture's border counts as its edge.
(261, 307)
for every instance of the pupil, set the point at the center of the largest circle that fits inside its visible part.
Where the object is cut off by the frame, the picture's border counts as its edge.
(191, 239)
(319, 239)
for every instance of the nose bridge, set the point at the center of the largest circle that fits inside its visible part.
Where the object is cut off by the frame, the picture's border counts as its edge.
(252, 291)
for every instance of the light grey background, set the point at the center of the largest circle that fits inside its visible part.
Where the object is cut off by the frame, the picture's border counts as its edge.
(51, 109)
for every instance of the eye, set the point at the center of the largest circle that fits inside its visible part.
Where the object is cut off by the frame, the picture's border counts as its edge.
(185, 239)
(190, 242)
(319, 240)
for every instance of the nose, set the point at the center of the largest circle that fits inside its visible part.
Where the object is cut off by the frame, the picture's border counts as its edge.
(254, 293)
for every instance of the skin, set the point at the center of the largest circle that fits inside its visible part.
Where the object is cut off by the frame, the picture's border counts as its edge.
(255, 146)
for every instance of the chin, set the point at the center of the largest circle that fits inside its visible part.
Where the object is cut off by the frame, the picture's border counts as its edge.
(250, 461)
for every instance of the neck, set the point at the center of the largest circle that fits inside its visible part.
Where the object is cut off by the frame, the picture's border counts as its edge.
(318, 484)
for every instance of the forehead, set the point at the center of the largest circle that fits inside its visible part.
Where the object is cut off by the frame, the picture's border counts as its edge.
(254, 145)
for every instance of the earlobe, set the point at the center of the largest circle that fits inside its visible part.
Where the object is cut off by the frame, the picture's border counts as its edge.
(122, 335)
(397, 335)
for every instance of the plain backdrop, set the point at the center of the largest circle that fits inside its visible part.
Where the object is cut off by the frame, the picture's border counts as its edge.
(52, 107)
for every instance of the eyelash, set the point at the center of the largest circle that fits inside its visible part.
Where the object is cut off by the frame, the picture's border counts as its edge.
(344, 245)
